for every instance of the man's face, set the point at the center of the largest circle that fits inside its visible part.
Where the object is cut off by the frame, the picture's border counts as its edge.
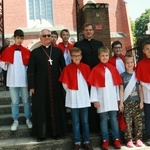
(18, 40)
(54, 39)
(45, 37)
(146, 50)
(7, 42)
(117, 49)
(65, 36)
(88, 32)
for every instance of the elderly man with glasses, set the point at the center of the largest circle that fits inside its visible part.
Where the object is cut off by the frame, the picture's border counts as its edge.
(48, 107)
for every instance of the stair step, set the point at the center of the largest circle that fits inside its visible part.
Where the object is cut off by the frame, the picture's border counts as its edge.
(30, 143)
(22, 131)
(6, 109)
(66, 143)
(4, 98)
(6, 119)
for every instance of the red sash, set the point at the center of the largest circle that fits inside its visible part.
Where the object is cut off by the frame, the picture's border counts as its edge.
(112, 60)
(143, 70)
(97, 75)
(8, 54)
(63, 47)
(69, 74)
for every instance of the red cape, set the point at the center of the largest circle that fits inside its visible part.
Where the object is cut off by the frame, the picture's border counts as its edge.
(112, 60)
(69, 75)
(143, 70)
(8, 54)
(63, 47)
(97, 75)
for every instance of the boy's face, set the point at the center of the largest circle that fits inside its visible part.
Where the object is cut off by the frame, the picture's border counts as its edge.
(18, 40)
(88, 32)
(76, 57)
(146, 50)
(65, 36)
(104, 57)
(117, 50)
(129, 63)
(53, 39)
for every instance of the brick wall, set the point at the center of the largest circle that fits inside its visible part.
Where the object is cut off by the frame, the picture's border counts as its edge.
(14, 15)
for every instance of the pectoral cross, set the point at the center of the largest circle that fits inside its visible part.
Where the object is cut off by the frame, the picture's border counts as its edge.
(50, 61)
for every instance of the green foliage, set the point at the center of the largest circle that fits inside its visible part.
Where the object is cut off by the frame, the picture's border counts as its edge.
(133, 29)
(141, 23)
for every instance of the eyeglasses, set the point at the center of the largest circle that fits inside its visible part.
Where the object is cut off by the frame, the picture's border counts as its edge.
(46, 35)
(76, 56)
(117, 47)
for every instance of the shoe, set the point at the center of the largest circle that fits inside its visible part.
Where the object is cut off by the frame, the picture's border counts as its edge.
(14, 126)
(147, 142)
(117, 144)
(139, 143)
(88, 146)
(77, 147)
(29, 123)
(7, 88)
(39, 139)
(56, 137)
(130, 144)
(105, 145)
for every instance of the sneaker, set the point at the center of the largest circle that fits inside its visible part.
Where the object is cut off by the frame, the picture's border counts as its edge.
(147, 142)
(105, 145)
(130, 144)
(88, 146)
(77, 147)
(14, 126)
(29, 123)
(139, 143)
(117, 144)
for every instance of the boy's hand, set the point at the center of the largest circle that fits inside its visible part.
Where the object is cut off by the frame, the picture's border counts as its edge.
(141, 105)
(32, 91)
(96, 104)
(121, 106)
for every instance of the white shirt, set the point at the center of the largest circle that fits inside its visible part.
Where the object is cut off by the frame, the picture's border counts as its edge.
(120, 65)
(146, 92)
(17, 72)
(78, 98)
(107, 96)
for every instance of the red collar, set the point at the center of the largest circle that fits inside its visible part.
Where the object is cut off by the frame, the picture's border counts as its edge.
(69, 75)
(8, 54)
(97, 75)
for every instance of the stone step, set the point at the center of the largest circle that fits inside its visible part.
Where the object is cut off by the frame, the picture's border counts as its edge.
(22, 131)
(66, 143)
(6, 119)
(5, 101)
(6, 109)
(5, 98)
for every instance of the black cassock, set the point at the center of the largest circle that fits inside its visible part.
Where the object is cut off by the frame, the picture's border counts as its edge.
(48, 102)
(89, 50)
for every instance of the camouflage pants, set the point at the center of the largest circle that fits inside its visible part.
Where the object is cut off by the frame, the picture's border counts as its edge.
(133, 114)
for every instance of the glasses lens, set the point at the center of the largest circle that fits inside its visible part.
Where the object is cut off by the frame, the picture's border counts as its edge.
(48, 35)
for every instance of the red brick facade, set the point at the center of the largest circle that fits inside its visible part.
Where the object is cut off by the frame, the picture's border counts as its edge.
(64, 16)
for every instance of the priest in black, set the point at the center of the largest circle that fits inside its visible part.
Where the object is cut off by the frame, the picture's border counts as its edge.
(48, 103)
(89, 48)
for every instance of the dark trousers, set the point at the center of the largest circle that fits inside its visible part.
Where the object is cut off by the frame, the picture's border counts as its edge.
(147, 119)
